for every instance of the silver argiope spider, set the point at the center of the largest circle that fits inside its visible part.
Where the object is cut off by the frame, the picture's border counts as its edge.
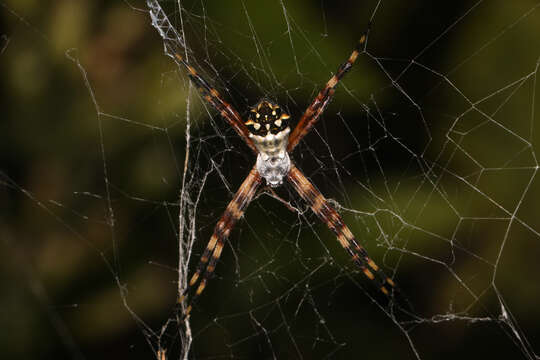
(267, 133)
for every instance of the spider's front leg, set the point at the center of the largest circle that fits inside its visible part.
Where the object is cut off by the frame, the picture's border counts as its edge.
(214, 98)
(317, 107)
(224, 226)
(320, 206)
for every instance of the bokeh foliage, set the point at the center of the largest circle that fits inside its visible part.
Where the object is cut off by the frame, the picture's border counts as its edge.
(77, 143)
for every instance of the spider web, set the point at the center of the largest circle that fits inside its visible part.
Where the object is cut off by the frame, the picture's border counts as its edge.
(115, 172)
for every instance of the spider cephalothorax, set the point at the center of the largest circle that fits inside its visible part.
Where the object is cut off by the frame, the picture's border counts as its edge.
(266, 117)
(269, 129)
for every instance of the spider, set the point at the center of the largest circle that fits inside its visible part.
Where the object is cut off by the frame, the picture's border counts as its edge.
(268, 134)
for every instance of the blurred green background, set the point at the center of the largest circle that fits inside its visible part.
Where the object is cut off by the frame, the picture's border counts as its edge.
(428, 149)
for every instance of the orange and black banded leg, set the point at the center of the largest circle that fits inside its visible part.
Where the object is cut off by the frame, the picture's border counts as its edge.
(233, 212)
(311, 115)
(213, 97)
(331, 218)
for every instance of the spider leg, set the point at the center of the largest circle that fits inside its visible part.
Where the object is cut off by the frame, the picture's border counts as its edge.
(233, 212)
(316, 108)
(213, 97)
(331, 218)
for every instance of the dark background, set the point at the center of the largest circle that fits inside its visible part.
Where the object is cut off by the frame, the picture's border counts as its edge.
(93, 126)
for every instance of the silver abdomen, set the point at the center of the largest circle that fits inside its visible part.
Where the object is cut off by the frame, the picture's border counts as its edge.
(273, 162)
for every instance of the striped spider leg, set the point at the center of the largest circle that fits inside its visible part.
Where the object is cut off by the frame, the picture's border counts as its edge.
(322, 208)
(318, 105)
(233, 212)
(213, 97)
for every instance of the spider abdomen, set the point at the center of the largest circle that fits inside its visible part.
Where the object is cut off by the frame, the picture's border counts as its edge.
(273, 169)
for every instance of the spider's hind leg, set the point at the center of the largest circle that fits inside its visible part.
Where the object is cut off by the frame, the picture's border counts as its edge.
(224, 226)
(322, 208)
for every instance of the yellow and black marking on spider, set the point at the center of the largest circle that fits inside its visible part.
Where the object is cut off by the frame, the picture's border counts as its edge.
(265, 118)
(266, 131)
